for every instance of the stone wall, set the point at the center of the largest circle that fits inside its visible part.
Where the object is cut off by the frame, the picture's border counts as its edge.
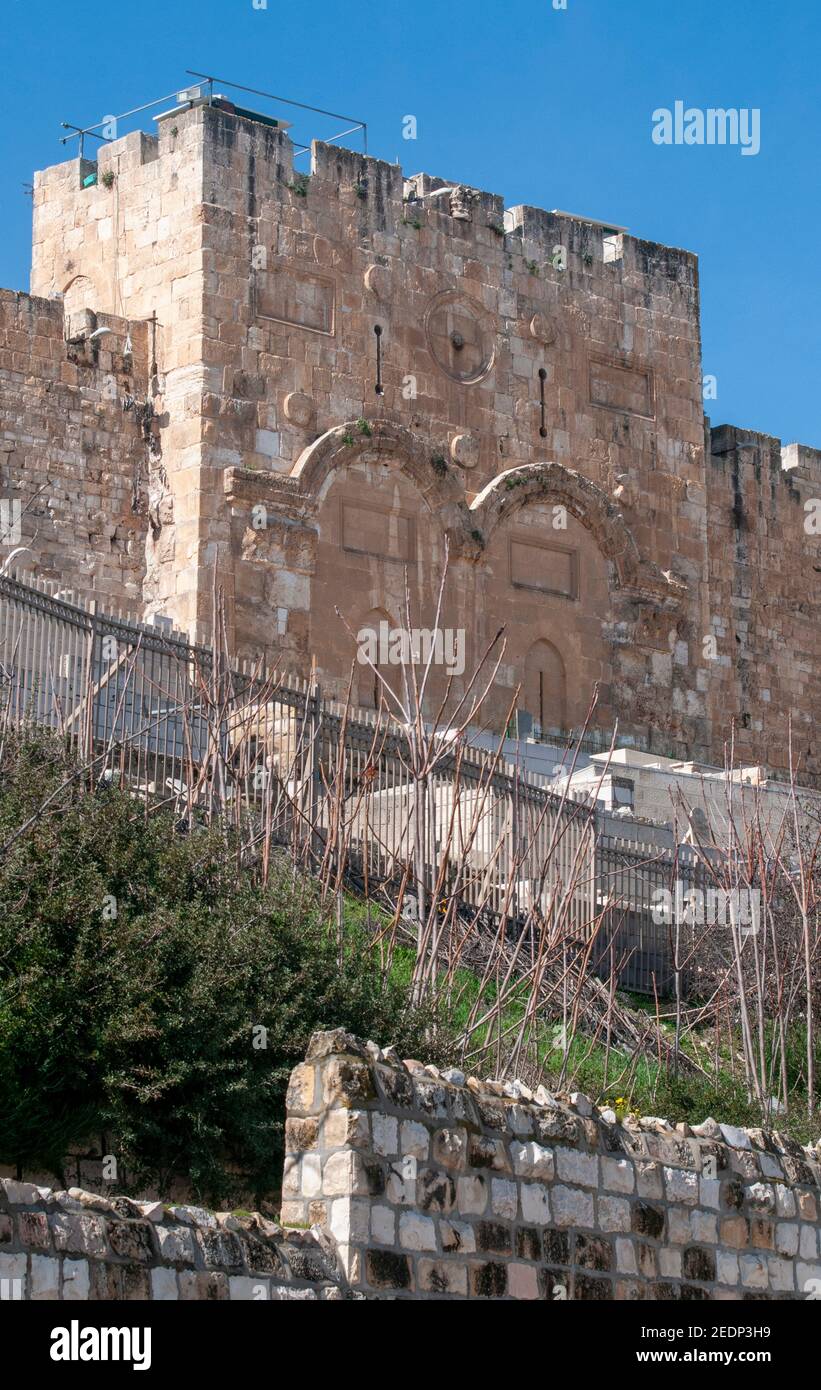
(535, 368)
(77, 1246)
(764, 572)
(434, 1186)
(75, 442)
(403, 1181)
(131, 243)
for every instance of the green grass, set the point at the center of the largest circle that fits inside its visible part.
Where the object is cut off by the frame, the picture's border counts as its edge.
(603, 1075)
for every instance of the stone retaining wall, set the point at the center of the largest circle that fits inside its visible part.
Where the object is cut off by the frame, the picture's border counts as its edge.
(435, 1186)
(75, 1246)
(402, 1181)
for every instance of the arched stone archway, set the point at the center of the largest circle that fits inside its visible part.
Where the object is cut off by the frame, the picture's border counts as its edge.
(544, 686)
(78, 294)
(382, 509)
(505, 494)
(368, 691)
(389, 443)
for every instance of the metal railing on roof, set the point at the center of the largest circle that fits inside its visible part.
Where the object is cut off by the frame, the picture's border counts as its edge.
(97, 130)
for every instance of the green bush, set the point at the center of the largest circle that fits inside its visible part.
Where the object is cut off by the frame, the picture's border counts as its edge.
(135, 965)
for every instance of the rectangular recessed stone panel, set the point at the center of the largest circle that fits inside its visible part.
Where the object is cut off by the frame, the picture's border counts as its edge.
(550, 569)
(628, 389)
(295, 296)
(374, 531)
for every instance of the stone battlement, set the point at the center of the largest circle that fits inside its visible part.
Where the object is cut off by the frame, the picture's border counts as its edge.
(395, 198)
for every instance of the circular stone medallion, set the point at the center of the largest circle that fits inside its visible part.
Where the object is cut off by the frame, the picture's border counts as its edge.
(543, 329)
(299, 409)
(460, 337)
(464, 450)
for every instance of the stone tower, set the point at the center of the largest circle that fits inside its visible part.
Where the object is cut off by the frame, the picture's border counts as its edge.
(350, 372)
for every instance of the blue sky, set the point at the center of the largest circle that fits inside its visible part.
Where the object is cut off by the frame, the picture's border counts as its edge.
(544, 106)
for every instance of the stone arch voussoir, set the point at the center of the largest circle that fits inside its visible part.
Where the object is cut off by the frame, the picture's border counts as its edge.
(518, 487)
(428, 470)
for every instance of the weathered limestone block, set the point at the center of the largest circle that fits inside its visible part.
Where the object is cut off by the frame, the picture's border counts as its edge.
(416, 1232)
(504, 1199)
(439, 1278)
(579, 1168)
(435, 1190)
(383, 1226)
(346, 1127)
(164, 1284)
(536, 1203)
(176, 1245)
(618, 1175)
(473, 1192)
(79, 1235)
(44, 1278)
(488, 1153)
(302, 1097)
(310, 1175)
(680, 1185)
(385, 1134)
(450, 1148)
(571, 1207)
(33, 1230)
(346, 1081)
(343, 1174)
(75, 1285)
(415, 1139)
(614, 1214)
(533, 1161)
(132, 1240)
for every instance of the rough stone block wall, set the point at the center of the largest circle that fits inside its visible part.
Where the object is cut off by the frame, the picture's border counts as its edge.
(74, 444)
(131, 244)
(764, 586)
(437, 1186)
(268, 284)
(75, 1246)
(301, 271)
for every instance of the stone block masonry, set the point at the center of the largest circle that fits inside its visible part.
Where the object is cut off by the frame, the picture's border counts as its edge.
(434, 1186)
(75, 1246)
(76, 437)
(538, 408)
(404, 1182)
